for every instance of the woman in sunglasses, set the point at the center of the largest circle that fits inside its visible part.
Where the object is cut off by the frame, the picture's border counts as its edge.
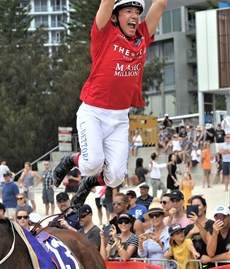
(22, 218)
(22, 203)
(123, 245)
(155, 241)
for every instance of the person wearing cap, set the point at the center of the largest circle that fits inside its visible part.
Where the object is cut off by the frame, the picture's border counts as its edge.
(195, 156)
(155, 241)
(181, 248)
(154, 167)
(177, 214)
(166, 202)
(167, 122)
(218, 240)
(121, 204)
(121, 244)
(67, 219)
(224, 150)
(209, 133)
(206, 158)
(9, 192)
(135, 209)
(144, 198)
(119, 42)
(4, 169)
(2, 210)
(89, 229)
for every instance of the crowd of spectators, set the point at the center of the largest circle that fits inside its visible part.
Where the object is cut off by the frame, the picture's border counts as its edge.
(146, 226)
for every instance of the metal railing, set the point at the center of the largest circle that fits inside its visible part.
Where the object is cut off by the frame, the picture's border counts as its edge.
(38, 159)
(164, 261)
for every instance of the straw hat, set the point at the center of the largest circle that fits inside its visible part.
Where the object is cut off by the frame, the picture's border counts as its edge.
(155, 207)
(198, 128)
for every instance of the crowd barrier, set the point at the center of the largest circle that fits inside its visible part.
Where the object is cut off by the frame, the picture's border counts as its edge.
(140, 263)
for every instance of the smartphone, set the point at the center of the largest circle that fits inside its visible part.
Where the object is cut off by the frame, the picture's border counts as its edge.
(192, 208)
(106, 228)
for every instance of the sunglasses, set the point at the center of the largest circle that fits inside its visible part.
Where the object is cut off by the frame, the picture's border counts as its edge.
(125, 221)
(22, 217)
(155, 215)
(131, 196)
(117, 203)
(20, 198)
(163, 202)
(83, 216)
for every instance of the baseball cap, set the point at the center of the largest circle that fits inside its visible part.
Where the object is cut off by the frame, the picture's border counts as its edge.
(85, 209)
(175, 227)
(132, 193)
(144, 186)
(62, 196)
(2, 207)
(7, 174)
(124, 216)
(222, 210)
(176, 194)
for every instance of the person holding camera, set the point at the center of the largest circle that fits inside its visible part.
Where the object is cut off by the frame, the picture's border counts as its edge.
(218, 241)
(155, 241)
(197, 231)
(123, 244)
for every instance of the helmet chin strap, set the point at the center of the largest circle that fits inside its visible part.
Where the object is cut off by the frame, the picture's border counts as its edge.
(117, 24)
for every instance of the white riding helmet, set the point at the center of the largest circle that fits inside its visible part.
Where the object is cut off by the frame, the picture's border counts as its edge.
(119, 4)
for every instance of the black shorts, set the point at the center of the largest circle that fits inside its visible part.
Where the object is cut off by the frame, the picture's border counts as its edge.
(226, 168)
(98, 202)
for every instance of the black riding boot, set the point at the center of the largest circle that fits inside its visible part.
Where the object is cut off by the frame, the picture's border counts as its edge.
(60, 171)
(87, 183)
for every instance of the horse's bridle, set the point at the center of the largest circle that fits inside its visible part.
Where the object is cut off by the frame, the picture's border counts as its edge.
(12, 247)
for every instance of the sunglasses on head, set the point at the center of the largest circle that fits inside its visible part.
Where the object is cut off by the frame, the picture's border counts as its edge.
(117, 203)
(22, 217)
(155, 215)
(20, 198)
(163, 202)
(126, 221)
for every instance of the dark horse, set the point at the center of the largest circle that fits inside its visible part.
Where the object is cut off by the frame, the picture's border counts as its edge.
(18, 255)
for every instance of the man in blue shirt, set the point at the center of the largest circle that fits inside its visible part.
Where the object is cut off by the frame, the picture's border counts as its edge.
(9, 192)
(69, 219)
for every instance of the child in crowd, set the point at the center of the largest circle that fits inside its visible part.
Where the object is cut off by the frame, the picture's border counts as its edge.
(181, 248)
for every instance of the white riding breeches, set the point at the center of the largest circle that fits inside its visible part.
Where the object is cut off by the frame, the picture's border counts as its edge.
(103, 139)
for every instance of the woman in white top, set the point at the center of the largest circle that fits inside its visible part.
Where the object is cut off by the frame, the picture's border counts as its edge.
(156, 182)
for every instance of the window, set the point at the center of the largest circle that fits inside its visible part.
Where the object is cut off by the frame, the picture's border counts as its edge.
(169, 76)
(176, 17)
(168, 50)
(166, 22)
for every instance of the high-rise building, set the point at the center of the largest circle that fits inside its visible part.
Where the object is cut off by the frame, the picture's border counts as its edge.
(175, 44)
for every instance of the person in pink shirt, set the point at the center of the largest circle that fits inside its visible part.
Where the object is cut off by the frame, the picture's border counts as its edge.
(119, 43)
(176, 212)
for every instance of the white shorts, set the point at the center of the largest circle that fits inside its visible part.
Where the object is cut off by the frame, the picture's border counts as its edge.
(103, 138)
